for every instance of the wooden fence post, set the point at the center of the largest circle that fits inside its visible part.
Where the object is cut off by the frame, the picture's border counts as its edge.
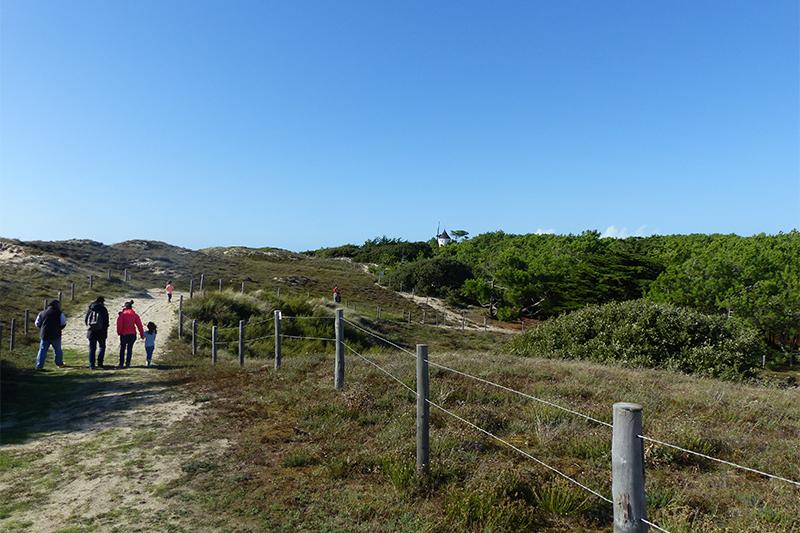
(125, 275)
(109, 274)
(91, 281)
(278, 292)
(202, 281)
(45, 304)
(277, 339)
(194, 337)
(338, 370)
(180, 317)
(423, 409)
(409, 317)
(627, 469)
(60, 296)
(72, 291)
(213, 345)
(241, 343)
(191, 288)
(220, 284)
(424, 313)
(242, 287)
(25, 324)
(12, 334)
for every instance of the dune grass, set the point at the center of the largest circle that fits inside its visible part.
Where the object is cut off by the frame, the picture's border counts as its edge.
(303, 456)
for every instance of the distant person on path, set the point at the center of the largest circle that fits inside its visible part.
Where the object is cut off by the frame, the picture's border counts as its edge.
(97, 323)
(127, 324)
(169, 288)
(337, 296)
(150, 341)
(50, 323)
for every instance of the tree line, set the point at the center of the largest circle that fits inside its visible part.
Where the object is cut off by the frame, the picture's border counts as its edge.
(753, 278)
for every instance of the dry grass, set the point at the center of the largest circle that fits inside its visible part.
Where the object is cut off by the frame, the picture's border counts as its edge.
(304, 456)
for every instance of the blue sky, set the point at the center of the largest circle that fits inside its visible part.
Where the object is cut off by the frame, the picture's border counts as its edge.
(301, 124)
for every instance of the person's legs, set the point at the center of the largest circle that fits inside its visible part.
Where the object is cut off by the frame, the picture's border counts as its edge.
(102, 352)
(92, 351)
(42, 355)
(57, 349)
(131, 340)
(149, 350)
(121, 351)
(169, 297)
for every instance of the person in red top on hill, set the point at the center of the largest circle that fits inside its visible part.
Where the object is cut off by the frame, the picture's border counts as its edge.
(127, 324)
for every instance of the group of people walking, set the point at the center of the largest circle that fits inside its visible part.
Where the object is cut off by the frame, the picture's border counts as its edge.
(52, 321)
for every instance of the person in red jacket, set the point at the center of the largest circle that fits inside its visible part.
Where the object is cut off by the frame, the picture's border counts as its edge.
(127, 324)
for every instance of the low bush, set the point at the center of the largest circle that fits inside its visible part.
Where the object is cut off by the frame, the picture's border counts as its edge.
(429, 277)
(641, 333)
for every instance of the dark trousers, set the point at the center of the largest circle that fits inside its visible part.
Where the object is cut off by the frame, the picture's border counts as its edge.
(126, 344)
(93, 344)
(169, 296)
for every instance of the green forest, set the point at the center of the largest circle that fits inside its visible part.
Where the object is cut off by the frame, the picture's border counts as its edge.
(753, 279)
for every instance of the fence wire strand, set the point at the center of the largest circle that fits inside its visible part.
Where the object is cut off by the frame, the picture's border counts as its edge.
(710, 458)
(379, 367)
(487, 382)
(387, 341)
(248, 341)
(654, 526)
(521, 451)
(308, 317)
(309, 338)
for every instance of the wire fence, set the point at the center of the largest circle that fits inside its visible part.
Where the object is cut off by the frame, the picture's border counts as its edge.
(585, 416)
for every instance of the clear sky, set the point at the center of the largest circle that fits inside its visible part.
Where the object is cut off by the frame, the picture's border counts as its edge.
(300, 124)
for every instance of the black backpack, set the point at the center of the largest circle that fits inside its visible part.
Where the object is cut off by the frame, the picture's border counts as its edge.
(94, 320)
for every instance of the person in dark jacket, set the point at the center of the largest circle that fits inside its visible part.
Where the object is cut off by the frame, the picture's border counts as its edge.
(50, 323)
(97, 322)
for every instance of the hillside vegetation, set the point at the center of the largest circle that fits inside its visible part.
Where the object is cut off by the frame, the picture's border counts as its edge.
(541, 276)
(268, 450)
(640, 333)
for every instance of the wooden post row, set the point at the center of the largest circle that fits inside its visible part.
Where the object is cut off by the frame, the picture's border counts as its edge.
(194, 337)
(423, 409)
(627, 469)
(277, 339)
(213, 345)
(180, 317)
(338, 369)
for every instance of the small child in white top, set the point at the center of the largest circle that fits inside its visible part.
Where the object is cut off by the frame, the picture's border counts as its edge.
(150, 341)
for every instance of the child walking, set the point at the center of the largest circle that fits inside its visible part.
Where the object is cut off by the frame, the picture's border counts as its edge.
(150, 341)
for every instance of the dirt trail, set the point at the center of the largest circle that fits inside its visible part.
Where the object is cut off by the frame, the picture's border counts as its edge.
(449, 314)
(104, 458)
(152, 306)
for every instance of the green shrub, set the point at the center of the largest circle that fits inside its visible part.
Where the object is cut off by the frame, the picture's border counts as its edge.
(222, 308)
(640, 333)
(429, 277)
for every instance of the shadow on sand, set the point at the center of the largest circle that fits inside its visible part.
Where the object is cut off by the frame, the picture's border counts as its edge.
(75, 399)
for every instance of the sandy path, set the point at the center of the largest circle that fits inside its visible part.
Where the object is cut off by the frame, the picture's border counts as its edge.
(151, 306)
(450, 315)
(103, 459)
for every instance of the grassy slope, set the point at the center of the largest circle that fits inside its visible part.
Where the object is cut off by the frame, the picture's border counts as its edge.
(303, 456)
